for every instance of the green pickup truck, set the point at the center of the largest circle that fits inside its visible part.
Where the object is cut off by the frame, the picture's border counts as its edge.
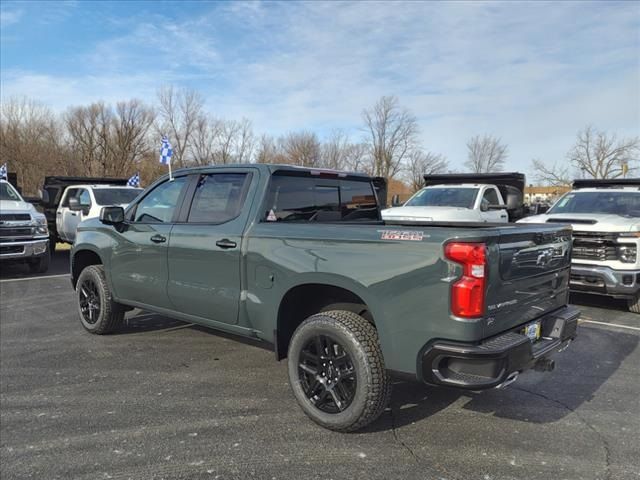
(300, 259)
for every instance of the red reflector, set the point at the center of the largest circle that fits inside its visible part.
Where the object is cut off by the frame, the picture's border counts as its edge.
(467, 294)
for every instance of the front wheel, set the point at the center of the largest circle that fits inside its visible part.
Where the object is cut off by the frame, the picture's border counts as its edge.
(337, 371)
(98, 312)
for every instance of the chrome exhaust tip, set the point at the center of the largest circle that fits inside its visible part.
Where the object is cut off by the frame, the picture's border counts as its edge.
(509, 380)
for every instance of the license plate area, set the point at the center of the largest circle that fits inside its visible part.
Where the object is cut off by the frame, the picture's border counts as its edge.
(532, 331)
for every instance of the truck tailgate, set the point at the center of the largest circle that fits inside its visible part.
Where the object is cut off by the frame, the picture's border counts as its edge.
(531, 276)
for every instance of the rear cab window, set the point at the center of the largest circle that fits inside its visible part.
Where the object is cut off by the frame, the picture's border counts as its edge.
(294, 198)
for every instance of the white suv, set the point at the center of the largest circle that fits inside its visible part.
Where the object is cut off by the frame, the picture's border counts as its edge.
(605, 215)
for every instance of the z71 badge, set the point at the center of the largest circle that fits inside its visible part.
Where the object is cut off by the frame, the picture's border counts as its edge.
(402, 235)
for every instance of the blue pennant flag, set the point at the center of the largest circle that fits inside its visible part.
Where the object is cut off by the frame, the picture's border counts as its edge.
(134, 181)
(3, 172)
(166, 152)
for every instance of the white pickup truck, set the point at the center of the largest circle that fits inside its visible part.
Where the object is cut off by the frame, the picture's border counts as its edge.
(492, 198)
(80, 202)
(605, 215)
(24, 236)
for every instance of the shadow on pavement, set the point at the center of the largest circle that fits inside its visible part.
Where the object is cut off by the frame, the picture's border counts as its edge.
(536, 397)
(139, 321)
(598, 301)
(59, 265)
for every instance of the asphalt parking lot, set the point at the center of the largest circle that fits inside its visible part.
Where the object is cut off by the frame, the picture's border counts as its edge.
(164, 399)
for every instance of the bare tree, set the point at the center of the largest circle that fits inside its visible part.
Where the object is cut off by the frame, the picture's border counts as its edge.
(424, 163)
(392, 135)
(358, 159)
(179, 112)
(129, 138)
(245, 141)
(335, 149)
(600, 155)
(267, 150)
(301, 148)
(88, 129)
(206, 136)
(486, 154)
(31, 142)
(235, 142)
(555, 175)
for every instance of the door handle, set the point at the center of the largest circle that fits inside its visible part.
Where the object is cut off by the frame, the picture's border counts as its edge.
(158, 239)
(74, 214)
(226, 243)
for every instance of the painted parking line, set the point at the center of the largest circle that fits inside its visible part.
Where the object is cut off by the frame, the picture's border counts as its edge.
(609, 324)
(34, 278)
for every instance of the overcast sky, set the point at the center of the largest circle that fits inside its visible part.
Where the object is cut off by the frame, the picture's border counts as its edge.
(532, 74)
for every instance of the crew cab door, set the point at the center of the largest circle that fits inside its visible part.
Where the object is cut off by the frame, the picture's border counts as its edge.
(204, 250)
(64, 215)
(139, 259)
(74, 217)
(491, 196)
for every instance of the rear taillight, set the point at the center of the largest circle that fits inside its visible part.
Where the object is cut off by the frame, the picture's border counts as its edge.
(467, 293)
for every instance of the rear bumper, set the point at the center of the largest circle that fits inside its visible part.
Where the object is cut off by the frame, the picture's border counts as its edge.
(23, 249)
(604, 281)
(498, 359)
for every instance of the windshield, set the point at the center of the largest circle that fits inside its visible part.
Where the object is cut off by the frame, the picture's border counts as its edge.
(115, 196)
(7, 192)
(626, 204)
(444, 197)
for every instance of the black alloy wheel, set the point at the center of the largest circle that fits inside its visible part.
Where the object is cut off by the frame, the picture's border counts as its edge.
(89, 301)
(327, 374)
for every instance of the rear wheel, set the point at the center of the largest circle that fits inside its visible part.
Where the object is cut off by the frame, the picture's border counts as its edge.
(634, 303)
(40, 264)
(337, 372)
(98, 312)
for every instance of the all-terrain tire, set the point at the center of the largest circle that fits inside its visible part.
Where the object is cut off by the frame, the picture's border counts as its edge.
(634, 303)
(109, 315)
(41, 263)
(358, 338)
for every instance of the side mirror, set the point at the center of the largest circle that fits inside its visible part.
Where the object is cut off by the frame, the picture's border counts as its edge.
(112, 215)
(395, 201)
(74, 204)
(496, 207)
(44, 196)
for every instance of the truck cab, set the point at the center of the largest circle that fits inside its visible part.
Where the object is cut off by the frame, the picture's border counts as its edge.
(605, 215)
(81, 202)
(490, 198)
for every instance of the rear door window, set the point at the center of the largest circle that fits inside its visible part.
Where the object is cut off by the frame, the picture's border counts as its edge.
(307, 199)
(218, 197)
